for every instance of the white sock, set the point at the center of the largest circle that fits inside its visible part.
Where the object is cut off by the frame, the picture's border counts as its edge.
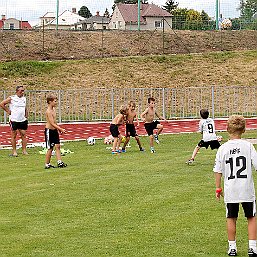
(232, 244)
(252, 244)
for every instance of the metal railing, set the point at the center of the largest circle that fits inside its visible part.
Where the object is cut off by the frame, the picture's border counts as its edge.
(172, 103)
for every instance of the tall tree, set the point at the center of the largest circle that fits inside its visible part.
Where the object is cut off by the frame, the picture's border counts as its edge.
(84, 12)
(248, 8)
(170, 5)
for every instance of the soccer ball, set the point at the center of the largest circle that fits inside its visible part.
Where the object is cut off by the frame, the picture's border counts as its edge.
(219, 138)
(91, 141)
(123, 139)
(108, 140)
(226, 24)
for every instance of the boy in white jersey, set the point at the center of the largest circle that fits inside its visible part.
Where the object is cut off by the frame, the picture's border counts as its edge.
(18, 118)
(234, 161)
(207, 128)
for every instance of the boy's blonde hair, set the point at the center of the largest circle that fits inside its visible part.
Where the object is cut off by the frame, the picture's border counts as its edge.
(123, 110)
(131, 103)
(236, 124)
(50, 98)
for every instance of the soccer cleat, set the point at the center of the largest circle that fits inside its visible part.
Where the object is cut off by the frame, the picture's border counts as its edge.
(62, 165)
(190, 161)
(152, 150)
(114, 152)
(156, 139)
(123, 150)
(142, 149)
(48, 166)
(232, 252)
(251, 252)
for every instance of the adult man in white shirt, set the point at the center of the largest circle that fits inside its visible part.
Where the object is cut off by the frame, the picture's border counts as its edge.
(18, 118)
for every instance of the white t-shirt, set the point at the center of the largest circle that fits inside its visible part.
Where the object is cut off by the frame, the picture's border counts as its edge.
(18, 108)
(235, 160)
(207, 128)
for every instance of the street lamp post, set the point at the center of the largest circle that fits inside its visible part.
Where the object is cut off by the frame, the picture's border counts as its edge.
(138, 17)
(217, 14)
(57, 14)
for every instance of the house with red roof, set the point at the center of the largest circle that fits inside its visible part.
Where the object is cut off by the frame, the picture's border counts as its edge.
(125, 17)
(13, 23)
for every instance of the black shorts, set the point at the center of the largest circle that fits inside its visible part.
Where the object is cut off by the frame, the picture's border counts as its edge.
(232, 209)
(149, 127)
(214, 144)
(131, 130)
(23, 125)
(52, 138)
(114, 130)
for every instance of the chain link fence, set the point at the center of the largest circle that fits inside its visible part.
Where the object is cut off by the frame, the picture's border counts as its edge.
(172, 103)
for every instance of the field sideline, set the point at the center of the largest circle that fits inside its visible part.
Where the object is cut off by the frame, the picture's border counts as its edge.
(135, 204)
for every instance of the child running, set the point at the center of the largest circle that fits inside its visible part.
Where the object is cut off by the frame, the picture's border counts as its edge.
(234, 161)
(114, 129)
(148, 117)
(207, 128)
(51, 134)
(130, 127)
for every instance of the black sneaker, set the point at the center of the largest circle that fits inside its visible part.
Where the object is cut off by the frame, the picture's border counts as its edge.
(251, 252)
(232, 252)
(62, 165)
(48, 166)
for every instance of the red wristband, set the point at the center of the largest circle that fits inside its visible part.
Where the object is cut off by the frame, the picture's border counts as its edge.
(218, 190)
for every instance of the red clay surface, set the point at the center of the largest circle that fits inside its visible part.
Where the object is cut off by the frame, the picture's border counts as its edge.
(81, 131)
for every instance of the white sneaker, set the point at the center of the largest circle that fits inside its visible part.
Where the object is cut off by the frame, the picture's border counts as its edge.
(190, 161)
(232, 252)
(156, 139)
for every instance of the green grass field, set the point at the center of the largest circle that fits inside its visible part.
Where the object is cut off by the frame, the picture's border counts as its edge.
(135, 204)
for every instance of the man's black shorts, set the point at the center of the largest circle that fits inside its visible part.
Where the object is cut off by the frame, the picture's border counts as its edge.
(214, 144)
(114, 130)
(131, 130)
(52, 138)
(23, 125)
(149, 127)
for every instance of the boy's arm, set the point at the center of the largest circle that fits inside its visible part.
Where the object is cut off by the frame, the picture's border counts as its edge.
(159, 117)
(218, 176)
(137, 121)
(119, 118)
(52, 122)
(254, 157)
(4, 103)
(142, 116)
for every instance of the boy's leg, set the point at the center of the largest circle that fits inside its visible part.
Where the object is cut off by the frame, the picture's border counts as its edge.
(139, 143)
(252, 236)
(60, 163)
(114, 145)
(125, 144)
(159, 129)
(48, 159)
(197, 148)
(231, 230)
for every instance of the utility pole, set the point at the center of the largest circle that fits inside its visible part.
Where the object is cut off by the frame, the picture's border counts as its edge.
(57, 14)
(139, 15)
(217, 14)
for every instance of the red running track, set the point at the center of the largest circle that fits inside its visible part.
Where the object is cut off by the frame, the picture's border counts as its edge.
(81, 131)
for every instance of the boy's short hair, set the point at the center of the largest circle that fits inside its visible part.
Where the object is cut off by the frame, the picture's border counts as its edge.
(204, 113)
(236, 124)
(131, 103)
(150, 99)
(123, 110)
(51, 98)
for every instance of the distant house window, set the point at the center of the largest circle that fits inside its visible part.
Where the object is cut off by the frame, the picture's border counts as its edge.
(114, 25)
(119, 24)
(116, 14)
(11, 25)
(158, 24)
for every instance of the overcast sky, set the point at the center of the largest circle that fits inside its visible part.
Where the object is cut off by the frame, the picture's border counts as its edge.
(31, 10)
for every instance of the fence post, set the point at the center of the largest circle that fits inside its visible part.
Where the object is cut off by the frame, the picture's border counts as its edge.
(212, 101)
(112, 97)
(59, 106)
(5, 115)
(163, 103)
